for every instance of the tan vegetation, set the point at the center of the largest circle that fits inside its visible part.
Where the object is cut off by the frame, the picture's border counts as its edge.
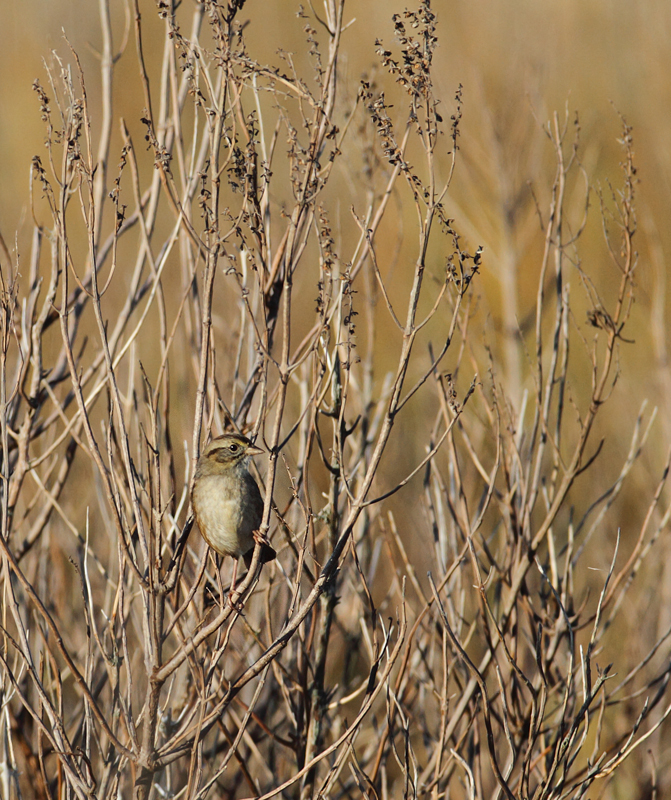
(469, 598)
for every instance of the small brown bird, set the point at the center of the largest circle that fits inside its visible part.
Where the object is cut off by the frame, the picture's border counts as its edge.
(227, 503)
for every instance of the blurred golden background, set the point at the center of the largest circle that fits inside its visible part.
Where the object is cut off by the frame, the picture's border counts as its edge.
(519, 62)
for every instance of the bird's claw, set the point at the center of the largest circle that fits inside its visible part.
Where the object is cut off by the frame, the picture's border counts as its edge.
(259, 538)
(235, 601)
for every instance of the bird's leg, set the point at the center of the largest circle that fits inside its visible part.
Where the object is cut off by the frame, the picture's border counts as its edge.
(217, 572)
(231, 591)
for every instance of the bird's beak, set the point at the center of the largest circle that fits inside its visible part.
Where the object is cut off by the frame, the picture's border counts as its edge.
(253, 450)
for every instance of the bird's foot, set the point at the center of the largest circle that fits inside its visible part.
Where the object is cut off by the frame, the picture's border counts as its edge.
(235, 601)
(259, 538)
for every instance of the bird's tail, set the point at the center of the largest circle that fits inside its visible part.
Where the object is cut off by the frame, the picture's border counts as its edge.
(267, 554)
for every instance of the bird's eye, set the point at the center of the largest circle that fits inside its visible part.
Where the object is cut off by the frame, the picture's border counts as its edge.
(234, 448)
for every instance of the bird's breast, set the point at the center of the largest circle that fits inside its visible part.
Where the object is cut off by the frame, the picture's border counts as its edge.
(223, 518)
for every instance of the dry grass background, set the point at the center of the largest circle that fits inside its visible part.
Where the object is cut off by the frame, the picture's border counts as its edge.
(351, 672)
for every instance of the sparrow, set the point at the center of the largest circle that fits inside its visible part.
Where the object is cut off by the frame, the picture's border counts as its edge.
(227, 503)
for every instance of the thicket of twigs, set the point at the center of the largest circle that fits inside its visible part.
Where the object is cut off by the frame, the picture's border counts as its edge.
(207, 278)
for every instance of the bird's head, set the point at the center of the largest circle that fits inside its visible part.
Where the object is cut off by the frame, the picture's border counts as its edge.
(226, 452)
